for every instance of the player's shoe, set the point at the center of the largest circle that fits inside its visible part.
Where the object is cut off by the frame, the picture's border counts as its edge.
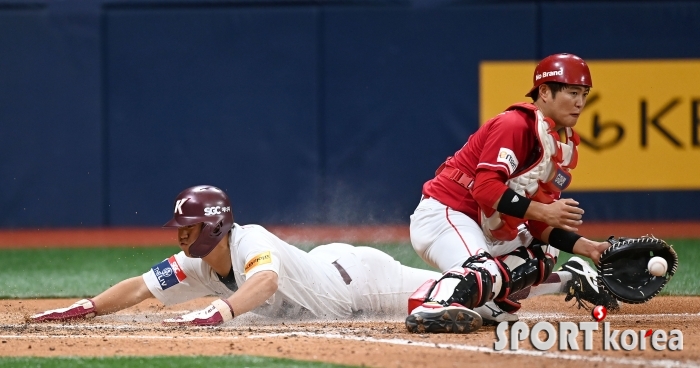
(584, 286)
(433, 317)
(492, 314)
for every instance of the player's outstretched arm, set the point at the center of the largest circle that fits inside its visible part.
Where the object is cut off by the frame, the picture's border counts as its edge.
(120, 296)
(123, 295)
(582, 245)
(252, 294)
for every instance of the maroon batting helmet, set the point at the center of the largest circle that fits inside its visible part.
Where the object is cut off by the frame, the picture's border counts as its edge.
(562, 68)
(208, 205)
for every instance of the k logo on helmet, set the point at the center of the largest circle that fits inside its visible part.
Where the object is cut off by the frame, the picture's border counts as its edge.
(178, 205)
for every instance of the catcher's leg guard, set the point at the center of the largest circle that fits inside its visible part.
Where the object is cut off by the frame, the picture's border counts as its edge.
(522, 268)
(445, 305)
(469, 287)
(545, 259)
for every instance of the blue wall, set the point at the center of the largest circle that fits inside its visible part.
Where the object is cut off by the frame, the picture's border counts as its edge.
(305, 113)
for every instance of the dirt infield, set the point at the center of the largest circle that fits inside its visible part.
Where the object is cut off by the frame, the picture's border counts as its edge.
(370, 342)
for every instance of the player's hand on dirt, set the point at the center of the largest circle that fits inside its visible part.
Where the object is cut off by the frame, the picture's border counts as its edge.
(216, 313)
(83, 308)
(564, 214)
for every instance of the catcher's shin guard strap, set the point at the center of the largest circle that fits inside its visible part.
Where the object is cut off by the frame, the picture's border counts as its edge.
(508, 305)
(524, 275)
(469, 287)
(546, 260)
(521, 269)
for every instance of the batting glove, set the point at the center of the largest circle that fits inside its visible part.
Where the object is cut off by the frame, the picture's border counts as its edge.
(84, 308)
(218, 312)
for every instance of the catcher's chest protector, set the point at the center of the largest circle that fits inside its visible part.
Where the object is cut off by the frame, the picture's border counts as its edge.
(539, 182)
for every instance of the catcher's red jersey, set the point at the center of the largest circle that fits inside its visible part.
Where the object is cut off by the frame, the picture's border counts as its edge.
(503, 146)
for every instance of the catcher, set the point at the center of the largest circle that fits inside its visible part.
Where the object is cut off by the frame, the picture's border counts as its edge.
(493, 220)
(251, 269)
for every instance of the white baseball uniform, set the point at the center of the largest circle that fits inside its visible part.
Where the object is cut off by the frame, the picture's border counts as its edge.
(309, 284)
(445, 238)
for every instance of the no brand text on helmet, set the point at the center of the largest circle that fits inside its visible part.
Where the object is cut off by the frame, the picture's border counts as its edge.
(549, 74)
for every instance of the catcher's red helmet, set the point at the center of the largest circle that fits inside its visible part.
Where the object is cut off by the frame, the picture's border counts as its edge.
(562, 68)
(208, 205)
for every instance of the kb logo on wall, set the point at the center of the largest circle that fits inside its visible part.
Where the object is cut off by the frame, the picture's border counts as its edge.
(564, 337)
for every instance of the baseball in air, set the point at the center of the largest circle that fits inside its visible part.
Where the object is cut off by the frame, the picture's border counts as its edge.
(657, 266)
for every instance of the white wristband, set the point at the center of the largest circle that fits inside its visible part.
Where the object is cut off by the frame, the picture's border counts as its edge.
(224, 309)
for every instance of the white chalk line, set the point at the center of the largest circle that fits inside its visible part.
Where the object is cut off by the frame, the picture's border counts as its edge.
(472, 348)
(541, 316)
(118, 337)
(481, 349)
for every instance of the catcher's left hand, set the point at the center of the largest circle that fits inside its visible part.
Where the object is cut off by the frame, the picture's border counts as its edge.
(623, 272)
(216, 313)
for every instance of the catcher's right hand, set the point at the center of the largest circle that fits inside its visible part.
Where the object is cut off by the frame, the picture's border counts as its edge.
(83, 308)
(623, 272)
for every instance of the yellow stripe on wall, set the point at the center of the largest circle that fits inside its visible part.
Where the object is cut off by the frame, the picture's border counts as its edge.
(640, 128)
